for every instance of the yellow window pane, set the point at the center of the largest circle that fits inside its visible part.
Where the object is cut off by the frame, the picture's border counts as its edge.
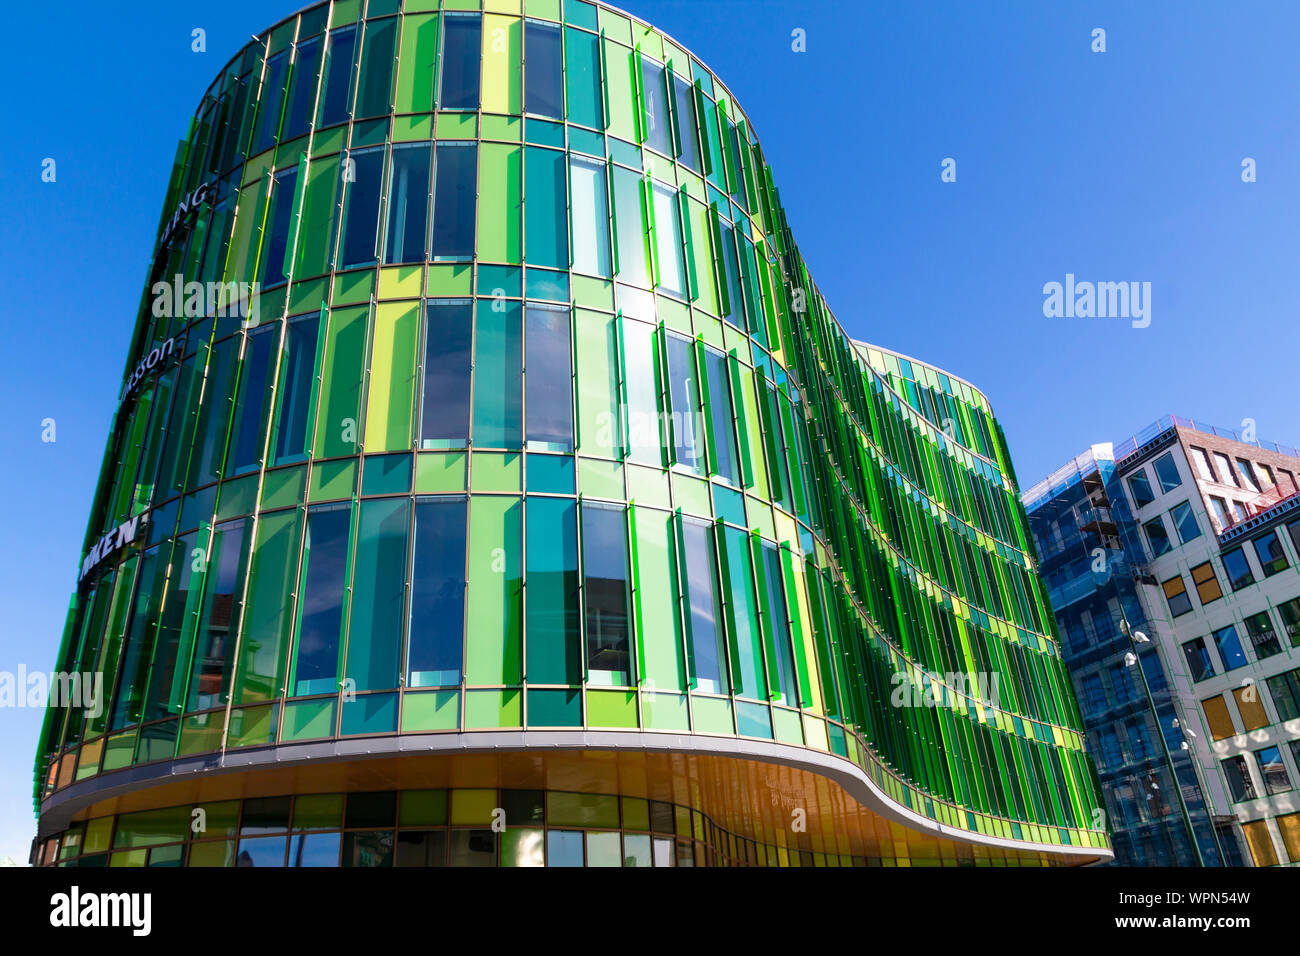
(1260, 842)
(502, 55)
(1251, 708)
(1289, 825)
(1217, 717)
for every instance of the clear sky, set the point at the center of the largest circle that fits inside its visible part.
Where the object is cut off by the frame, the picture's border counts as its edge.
(1116, 166)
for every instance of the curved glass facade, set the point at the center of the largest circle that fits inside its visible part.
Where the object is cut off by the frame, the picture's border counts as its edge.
(479, 386)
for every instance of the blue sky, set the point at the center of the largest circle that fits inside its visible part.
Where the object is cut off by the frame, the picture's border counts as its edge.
(1115, 166)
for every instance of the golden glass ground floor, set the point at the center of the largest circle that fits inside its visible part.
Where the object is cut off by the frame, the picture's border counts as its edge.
(563, 808)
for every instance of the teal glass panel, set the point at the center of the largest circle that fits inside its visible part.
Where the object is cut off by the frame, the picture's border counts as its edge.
(376, 78)
(582, 78)
(547, 284)
(723, 433)
(498, 374)
(551, 578)
(547, 233)
(378, 591)
(386, 475)
(370, 714)
(554, 708)
(778, 615)
(742, 614)
(551, 474)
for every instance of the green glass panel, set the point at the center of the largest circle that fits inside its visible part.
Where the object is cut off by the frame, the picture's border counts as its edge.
(337, 425)
(500, 203)
(581, 810)
(657, 604)
(598, 393)
(495, 591)
(422, 808)
(743, 632)
(417, 62)
(617, 64)
(314, 229)
(376, 79)
(430, 710)
(630, 228)
(260, 671)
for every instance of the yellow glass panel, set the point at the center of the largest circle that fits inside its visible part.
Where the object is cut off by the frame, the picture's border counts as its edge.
(392, 377)
(1251, 708)
(502, 55)
(1260, 842)
(1216, 715)
(1289, 825)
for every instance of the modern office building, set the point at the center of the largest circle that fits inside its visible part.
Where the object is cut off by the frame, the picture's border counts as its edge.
(1091, 558)
(505, 493)
(1179, 549)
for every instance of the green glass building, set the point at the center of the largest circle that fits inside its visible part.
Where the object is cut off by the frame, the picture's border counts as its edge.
(491, 485)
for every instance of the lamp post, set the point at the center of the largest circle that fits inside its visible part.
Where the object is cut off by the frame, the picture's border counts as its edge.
(1131, 659)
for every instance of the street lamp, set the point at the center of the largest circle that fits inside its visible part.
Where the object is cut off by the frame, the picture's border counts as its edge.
(1130, 660)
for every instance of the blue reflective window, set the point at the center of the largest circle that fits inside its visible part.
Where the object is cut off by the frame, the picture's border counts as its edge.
(336, 91)
(408, 203)
(548, 378)
(604, 564)
(434, 648)
(444, 419)
(461, 56)
(1268, 548)
(1185, 522)
(324, 578)
(564, 848)
(1229, 645)
(544, 86)
(1167, 472)
(297, 382)
(1140, 488)
(454, 198)
(363, 172)
(1157, 536)
(1237, 565)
